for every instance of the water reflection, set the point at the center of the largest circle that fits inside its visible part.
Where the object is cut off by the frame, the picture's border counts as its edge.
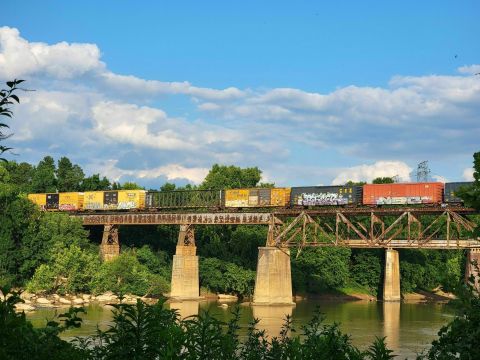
(391, 324)
(271, 317)
(185, 308)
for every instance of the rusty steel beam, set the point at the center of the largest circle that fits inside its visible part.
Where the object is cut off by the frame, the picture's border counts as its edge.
(178, 219)
(332, 211)
(398, 243)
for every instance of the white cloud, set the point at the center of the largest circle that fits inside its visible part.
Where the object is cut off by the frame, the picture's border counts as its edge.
(171, 172)
(440, 178)
(370, 172)
(469, 69)
(81, 107)
(20, 58)
(468, 174)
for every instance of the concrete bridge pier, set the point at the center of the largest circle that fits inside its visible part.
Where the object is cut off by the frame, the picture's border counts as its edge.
(391, 282)
(110, 246)
(473, 266)
(273, 284)
(185, 279)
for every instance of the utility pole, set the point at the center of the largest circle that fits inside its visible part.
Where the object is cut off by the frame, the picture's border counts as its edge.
(423, 171)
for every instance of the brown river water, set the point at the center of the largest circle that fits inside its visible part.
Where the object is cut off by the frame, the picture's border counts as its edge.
(409, 327)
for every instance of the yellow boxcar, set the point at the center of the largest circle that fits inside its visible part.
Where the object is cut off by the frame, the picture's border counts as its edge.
(236, 198)
(114, 200)
(280, 196)
(38, 199)
(70, 201)
(257, 197)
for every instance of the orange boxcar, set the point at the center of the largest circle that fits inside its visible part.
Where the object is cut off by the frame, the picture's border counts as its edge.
(401, 194)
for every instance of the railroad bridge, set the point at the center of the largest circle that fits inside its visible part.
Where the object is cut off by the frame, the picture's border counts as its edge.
(387, 228)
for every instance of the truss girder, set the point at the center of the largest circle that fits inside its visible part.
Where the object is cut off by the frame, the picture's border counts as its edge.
(407, 229)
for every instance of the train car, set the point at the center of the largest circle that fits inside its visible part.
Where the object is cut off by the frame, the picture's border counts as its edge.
(184, 199)
(69, 201)
(256, 197)
(403, 194)
(451, 191)
(38, 199)
(114, 200)
(326, 195)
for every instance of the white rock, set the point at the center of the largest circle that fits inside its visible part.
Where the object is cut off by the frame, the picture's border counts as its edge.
(56, 297)
(64, 301)
(26, 295)
(43, 301)
(227, 297)
(224, 306)
(86, 297)
(78, 301)
(24, 307)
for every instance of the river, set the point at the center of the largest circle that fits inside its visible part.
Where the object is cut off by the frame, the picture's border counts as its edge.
(409, 327)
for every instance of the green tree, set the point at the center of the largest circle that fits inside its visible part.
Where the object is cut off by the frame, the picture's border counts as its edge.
(6, 99)
(231, 177)
(319, 269)
(21, 175)
(94, 183)
(47, 237)
(131, 186)
(471, 194)
(44, 180)
(353, 183)
(69, 176)
(383, 180)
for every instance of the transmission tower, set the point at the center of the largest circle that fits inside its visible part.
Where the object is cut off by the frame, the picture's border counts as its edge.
(423, 172)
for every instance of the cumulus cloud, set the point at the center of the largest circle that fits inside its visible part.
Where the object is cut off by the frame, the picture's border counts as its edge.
(370, 172)
(468, 174)
(83, 108)
(20, 58)
(170, 172)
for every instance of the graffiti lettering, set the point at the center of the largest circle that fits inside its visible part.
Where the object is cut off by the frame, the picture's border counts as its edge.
(402, 200)
(321, 199)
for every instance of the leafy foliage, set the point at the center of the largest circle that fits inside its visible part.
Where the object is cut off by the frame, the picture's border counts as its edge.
(383, 180)
(7, 98)
(125, 274)
(224, 277)
(231, 177)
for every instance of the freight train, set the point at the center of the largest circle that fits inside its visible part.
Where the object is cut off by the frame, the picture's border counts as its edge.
(427, 194)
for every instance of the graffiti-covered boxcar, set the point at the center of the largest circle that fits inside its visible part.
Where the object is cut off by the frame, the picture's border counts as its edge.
(403, 194)
(256, 197)
(114, 200)
(325, 195)
(451, 190)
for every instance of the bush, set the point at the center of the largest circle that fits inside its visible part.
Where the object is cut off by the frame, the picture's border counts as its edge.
(224, 277)
(366, 269)
(322, 268)
(126, 275)
(71, 271)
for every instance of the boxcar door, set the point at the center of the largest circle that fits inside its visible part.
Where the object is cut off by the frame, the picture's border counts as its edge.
(52, 201)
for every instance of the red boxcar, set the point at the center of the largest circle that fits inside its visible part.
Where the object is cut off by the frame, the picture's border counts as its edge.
(409, 193)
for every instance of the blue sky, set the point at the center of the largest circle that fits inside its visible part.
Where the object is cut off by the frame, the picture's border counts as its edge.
(311, 92)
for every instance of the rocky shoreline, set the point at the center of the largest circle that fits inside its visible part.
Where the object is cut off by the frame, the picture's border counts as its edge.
(32, 302)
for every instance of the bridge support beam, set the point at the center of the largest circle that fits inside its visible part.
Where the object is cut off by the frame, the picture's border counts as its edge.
(391, 283)
(273, 284)
(110, 246)
(185, 280)
(473, 266)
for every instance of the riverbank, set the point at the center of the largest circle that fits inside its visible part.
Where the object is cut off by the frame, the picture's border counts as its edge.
(32, 301)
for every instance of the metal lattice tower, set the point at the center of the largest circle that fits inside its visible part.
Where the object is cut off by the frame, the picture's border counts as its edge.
(423, 172)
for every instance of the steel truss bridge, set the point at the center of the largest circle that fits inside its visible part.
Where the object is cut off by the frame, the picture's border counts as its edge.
(409, 227)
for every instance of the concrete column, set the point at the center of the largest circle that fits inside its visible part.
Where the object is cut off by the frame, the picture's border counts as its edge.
(185, 281)
(391, 283)
(110, 246)
(473, 260)
(273, 284)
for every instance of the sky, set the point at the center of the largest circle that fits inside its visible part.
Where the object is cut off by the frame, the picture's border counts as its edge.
(310, 92)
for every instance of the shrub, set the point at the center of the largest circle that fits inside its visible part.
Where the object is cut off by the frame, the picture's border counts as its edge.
(224, 277)
(125, 274)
